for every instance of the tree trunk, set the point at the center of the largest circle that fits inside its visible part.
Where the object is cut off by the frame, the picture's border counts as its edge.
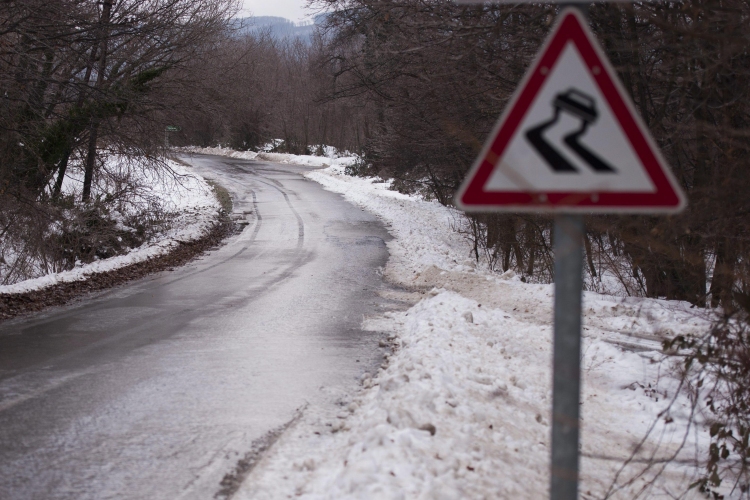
(589, 257)
(90, 162)
(61, 169)
(94, 128)
(723, 277)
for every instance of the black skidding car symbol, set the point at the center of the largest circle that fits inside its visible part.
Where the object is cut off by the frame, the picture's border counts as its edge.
(583, 107)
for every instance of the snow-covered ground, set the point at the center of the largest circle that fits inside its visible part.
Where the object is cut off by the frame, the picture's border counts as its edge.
(185, 195)
(181, 193)
(331, 157)
(461, 407)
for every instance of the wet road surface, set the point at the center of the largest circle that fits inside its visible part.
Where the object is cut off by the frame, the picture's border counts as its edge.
(157, 388)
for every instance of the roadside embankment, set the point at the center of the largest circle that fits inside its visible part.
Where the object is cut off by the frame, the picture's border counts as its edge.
(461, 409)
(199, 222)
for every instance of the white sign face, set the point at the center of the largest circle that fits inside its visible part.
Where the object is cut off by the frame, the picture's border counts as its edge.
(570, 140)
(523, 164)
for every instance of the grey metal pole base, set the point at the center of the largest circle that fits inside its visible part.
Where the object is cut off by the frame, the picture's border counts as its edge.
(566, 383)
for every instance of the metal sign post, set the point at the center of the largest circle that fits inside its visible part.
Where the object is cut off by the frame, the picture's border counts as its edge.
(570, 142)
(566, 357)
(167, 130)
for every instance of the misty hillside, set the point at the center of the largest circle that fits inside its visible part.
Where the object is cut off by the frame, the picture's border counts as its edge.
(279, 27)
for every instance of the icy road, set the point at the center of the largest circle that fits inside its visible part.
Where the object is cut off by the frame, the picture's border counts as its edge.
(157, 389)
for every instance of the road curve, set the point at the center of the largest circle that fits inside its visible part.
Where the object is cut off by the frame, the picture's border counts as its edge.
(156, 389)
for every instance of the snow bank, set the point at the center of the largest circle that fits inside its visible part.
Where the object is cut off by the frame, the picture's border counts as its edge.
(461, 407)
(424, 232)
(219, 151)
(331, 158)
(187, 195)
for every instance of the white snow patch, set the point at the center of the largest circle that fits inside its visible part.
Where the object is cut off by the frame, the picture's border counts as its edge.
(461, 409)
(188, 196)
(331, 157)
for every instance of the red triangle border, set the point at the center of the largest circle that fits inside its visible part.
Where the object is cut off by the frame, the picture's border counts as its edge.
(667, 198)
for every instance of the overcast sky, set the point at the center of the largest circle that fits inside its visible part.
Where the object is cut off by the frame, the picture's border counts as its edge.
(290, 9)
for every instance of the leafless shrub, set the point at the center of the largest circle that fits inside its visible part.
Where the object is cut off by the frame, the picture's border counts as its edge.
(514, 242)
(83, 81)
(717, 374)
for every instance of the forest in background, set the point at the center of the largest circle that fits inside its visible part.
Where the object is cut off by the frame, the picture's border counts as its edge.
(413, 87)
(435, 77)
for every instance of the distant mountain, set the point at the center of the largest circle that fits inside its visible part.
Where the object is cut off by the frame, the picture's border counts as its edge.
(278, 27)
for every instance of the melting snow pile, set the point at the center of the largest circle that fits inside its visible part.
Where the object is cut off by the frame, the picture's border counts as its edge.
(330, 158)
(461, 407)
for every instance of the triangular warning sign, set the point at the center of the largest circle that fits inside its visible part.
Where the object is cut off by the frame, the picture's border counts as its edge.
(570, 140)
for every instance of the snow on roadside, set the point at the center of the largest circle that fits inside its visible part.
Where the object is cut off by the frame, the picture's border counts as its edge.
(189, 197)
(424, 232)
(219, 151)
(461, 407)
(331, 159)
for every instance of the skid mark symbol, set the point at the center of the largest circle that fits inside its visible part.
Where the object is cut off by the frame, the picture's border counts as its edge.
(583, 107)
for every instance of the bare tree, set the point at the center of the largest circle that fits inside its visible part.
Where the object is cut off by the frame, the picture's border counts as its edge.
(79, 77)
